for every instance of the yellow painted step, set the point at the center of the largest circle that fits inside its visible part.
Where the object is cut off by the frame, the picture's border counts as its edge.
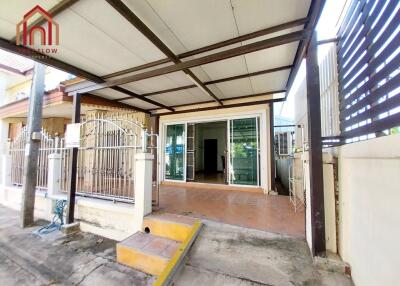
(146, 252)
(175, 227)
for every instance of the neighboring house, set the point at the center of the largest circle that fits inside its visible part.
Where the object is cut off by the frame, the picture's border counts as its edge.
(15, 87)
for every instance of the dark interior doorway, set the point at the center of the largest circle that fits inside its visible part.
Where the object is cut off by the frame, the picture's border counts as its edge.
(206, 152)
(210, 156)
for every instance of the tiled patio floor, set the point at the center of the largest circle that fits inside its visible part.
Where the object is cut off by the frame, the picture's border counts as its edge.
(254, 210)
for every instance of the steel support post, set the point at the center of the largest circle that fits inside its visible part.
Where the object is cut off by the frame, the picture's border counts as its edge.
(315, 150)
(32, 146)
(73, 162)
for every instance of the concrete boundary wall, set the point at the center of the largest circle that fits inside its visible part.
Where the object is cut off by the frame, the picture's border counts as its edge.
(101, 217)
(369, 210)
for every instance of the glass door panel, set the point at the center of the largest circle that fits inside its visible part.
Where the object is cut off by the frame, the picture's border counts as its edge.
(244, 158)
(175, 152)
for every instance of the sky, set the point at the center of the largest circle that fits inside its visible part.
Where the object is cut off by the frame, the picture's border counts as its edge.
(326, 28)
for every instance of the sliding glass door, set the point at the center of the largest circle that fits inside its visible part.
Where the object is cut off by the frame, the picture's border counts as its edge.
(244, 151)
(175, 152)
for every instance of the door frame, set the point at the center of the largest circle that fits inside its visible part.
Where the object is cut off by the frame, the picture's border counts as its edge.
(162, 152)
(204, 117)
(258, 128)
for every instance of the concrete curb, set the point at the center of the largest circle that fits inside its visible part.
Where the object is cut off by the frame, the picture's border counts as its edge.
(70, 228)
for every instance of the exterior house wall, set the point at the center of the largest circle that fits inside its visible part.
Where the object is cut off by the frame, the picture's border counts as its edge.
(218, 115)
(55, 125)
(12, 92)
(300, 112)
(3, 87)
(52, 80)
(300, 119)
(52, 125)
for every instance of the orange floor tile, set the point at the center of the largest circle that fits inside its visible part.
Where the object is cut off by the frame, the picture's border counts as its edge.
(253, 210)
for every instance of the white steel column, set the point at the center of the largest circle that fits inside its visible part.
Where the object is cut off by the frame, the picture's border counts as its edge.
(6, 170)
(54, 174)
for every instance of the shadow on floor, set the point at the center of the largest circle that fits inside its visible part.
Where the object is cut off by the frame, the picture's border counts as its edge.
(80, 259)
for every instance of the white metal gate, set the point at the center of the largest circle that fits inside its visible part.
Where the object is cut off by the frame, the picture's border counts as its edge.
(17, 153)
(106, 158)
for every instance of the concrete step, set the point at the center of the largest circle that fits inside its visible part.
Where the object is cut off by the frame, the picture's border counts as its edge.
(146, 252)
(171, 226)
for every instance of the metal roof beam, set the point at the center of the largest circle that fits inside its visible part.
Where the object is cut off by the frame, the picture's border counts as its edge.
(253, 35)
(266, 101)
(214, 81)
(313, 15)
(140, 26)
(226, 54)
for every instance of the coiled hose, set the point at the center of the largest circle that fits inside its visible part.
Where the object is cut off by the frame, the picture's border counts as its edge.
(58, 218)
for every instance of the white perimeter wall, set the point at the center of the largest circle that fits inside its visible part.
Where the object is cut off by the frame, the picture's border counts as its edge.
(369, 204)
(369, 210)
(112, 220)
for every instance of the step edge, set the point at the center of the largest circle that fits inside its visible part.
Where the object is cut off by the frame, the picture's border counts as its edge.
(168, 221)
(148, 234)
(145, 252)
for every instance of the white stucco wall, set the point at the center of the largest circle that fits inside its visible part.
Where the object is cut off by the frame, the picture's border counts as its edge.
(369, 211)
(3, 140)
(3, 87)
(106, 218)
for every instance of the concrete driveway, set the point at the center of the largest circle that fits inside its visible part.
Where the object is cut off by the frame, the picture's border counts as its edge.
(229, 255)
(222, 255)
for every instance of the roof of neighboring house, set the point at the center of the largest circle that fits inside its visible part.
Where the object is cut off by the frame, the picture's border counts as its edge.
(56, 99)
(14, 63)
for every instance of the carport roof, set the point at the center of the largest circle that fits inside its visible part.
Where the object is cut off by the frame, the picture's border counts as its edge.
(172, 56)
